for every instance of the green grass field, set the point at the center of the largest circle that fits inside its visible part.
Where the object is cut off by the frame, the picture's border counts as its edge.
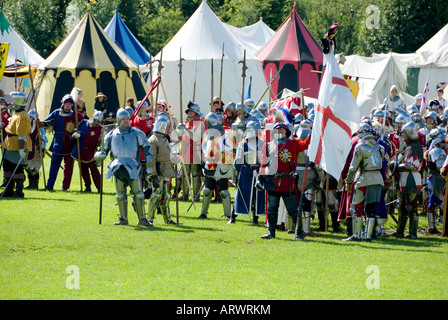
(48, 239)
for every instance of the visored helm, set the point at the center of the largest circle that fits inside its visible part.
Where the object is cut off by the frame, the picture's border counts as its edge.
(263, 107)
(231, 106)
(97, 116)
(252, 127)
(249, 103)
(412, 109)
(161, 125)
(213, 121)
(366, 131)
(410, 130)
(122, 113)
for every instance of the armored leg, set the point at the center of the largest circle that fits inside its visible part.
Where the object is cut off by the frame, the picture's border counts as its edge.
(196, 179)
(226, 202)
(166, 202)
(307, 223)
(138, 198)
(154, 200)
(206, 199)
(122, 202)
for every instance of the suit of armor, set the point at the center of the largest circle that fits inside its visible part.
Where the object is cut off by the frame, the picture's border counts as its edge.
(124, 144)
(164, 172)
(436, 183)
(365, 173)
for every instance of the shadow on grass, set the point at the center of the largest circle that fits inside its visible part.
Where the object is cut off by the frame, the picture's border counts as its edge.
(36, 198)
(161, 227)
(383, 242)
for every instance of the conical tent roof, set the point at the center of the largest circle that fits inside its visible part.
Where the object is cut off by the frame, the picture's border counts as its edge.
(201, 40)
(123, 37)
(17, 45)
(295, 52)
(88, 59)
(254, 36)
(88, 47)
(434, 44)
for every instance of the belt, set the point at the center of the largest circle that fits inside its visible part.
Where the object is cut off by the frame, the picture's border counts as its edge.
(282, 175)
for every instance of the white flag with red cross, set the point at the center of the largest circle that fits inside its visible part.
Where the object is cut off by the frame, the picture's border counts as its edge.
(336, 108)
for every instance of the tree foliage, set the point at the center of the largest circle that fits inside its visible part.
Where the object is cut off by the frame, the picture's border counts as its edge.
(402, 26)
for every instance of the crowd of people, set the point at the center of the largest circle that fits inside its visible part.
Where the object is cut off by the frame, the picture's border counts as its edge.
(396, 165)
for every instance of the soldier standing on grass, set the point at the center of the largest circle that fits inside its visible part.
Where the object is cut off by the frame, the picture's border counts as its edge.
(276, 175)
(17, 145)
(410, 181)
(164, 170)
(89, 139)
(124, 143)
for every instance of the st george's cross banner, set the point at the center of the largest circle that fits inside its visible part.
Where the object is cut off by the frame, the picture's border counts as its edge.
(336, 108)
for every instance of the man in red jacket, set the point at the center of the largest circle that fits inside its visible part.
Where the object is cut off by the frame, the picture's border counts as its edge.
(276, 175)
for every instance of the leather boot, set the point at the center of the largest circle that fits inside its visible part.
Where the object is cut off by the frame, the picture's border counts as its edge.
(19, 189)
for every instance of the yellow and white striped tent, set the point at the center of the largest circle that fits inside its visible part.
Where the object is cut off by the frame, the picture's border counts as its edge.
(88, 59)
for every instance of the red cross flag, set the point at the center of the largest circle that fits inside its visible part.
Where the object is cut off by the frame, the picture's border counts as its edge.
(336, 108)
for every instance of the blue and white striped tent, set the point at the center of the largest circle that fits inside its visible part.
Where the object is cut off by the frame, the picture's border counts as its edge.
(123, 37)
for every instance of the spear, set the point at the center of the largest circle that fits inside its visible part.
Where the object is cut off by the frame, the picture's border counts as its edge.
(159, 74)
(195, 73)
(211, 86)
(220, 78)
(101, 178)
(244, 77)
(180, 85)
(78, 146)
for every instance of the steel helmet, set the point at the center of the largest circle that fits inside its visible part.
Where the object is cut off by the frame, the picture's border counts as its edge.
(161, 125)
(410, 130)
(122, 113)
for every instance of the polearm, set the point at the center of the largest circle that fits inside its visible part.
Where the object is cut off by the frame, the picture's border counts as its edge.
(220, 78)
(78, 145)
(180, 85)
(159, 75)
(268, 88)
(243, 75)
(327, 189)
(101, 177)
(195, 73)
(39, 136)
(211, 86)
(181, 120)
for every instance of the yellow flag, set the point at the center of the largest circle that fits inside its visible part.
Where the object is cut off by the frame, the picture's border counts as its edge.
(92, 1)
(4, 47)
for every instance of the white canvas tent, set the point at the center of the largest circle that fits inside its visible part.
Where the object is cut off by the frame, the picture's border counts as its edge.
(201, 39)
(376, 75)
(431, 59)
(254, 36)
(18, 48)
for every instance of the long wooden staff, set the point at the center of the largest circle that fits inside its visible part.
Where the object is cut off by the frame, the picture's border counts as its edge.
(78, 145)
(211, 87)
(181, 121)
(220, 78)
(39, 136)
(243, 75)
(101, 177)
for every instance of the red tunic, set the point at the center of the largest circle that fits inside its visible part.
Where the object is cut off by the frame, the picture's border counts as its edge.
(286, 158)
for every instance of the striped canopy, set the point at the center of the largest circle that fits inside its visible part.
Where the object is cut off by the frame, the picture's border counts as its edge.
(123, 37)
(88, 59)
(295, 52)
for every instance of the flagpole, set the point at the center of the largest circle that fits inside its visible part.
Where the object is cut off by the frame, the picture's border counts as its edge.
(211, 86)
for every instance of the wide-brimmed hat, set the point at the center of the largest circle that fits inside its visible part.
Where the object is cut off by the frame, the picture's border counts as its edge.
(100, 94)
